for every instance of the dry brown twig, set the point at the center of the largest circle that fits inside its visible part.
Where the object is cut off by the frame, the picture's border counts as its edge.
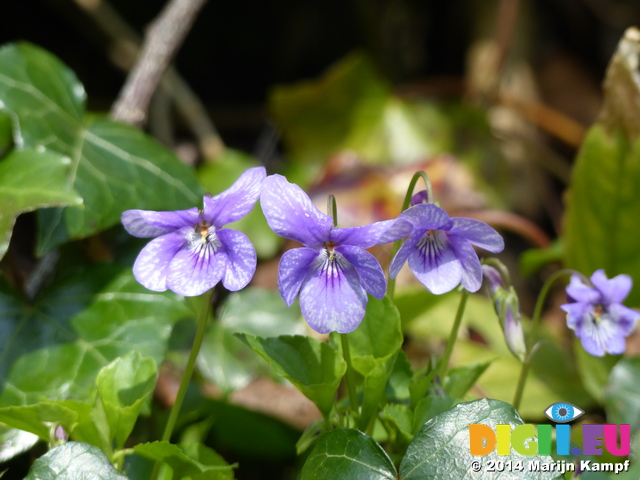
(164, 37)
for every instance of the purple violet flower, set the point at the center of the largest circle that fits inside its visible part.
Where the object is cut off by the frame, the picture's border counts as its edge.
(333, 272)
(596, 313)
(192, 252)
(439, 250)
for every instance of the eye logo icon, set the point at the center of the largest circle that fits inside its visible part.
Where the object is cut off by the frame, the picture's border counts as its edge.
(562, 412)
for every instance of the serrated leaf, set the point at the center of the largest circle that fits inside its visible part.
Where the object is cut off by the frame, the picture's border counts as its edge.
(73, 461)
(193, 460)
(348, 454)
(114, 167)
(29, 180)
(123, 386)
(312, 366)
(440, 450)
(399, 420)
(56, 347)
(460, 379)
(224, 359)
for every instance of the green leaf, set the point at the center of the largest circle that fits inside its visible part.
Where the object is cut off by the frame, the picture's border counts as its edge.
(600, 223)
(594, 371)
(377, 338)
(310, 436)
(107, 158)
(312, 366)
(622, 394)
(398, 387)
(460, 379)
(14, 442)
(374, 346)
(73, 461)
(399, 420)
(218, 176)
(55, 347)
(347, 454)
(123, 386)
(36, 419)
(224, 359)
(30, 180)
(440, 450)
(429, 407)
(187, 460)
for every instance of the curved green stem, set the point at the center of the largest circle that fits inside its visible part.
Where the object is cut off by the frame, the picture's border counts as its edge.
(391, 284)
(533, 333)
(203, 319)
(453, 336)
(350, 377)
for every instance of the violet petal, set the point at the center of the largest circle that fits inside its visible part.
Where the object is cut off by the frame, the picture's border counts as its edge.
(376, 233)
(150, 268)
(471, 267)
(292, 270)
(371, 274)
(236, 201)
(478, 233)
(196, 270)
(147, 223)
(613, 290)
(241, 256)
(291, 214)
(331, 297)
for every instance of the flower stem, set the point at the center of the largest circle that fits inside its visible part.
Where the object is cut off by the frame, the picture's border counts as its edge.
(332, 209)
(391, 284)
(350, 378)
(533, 333)
(453, 336)
(188, 372)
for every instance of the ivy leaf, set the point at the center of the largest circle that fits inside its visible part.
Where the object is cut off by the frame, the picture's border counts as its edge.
(73, 461)
(312, 366)
(29, 180)
(114, 167)
(13, 442)
(55, 347)
(349, 455)
(622, 394)
(440, 450)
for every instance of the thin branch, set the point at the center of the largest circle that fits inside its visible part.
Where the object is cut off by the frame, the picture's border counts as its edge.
(164, 37)
(124, 51)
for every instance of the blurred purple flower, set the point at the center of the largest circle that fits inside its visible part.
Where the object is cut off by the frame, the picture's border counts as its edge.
(507, 306)
(440, 251)
(193, 252)
(596, 313)
(333, 272)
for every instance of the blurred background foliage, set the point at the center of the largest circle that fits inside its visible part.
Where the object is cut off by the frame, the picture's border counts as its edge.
(492, 99)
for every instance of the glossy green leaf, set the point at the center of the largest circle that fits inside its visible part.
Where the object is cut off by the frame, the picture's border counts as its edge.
(114, 167)
(29, 180)
(312, 366)
(440, 450)
(218, 176)
(73, 461)
(14, 442)
(460, 379)
(622, 394)
(123, 386)
(350, 455)
(310, 436)
(187, 460)
(55, 347)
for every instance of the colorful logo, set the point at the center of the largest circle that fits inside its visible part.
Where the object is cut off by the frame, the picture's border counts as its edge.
(530, 439)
